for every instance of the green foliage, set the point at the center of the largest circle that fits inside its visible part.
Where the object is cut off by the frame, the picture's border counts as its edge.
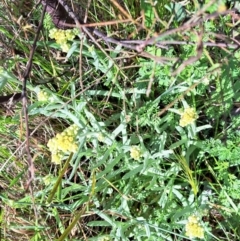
(136, 173)
(47, 23)
(225, 151)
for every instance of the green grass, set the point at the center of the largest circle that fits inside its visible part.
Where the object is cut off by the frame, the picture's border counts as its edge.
(137, 173)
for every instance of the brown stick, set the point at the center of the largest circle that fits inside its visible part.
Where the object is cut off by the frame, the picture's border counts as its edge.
(184, 27)
(24, 102)
(12, 98)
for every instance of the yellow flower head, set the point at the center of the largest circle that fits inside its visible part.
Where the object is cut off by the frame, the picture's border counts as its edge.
(47, 179)
(135, 152)
(62, 37)
(100, 137)
(59, 36)
(63, 143)
(193, 219)
(56, 158)
(194, 228)
(43, 96)
(188, 117)
(52, 33)
(70, 34)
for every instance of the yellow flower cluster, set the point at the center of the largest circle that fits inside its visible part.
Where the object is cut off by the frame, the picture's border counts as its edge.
(63, 143)
(100, 137)
(48, 179)
(43, 96)
(135, 152)
(62, 37)
(193, 228)
(188, 117)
